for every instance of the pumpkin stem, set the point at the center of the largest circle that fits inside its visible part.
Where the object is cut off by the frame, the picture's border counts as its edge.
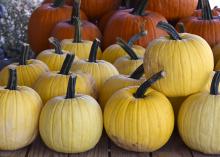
(75, 10)
(93, 51)
(71, 89)
(127, 4)
(67, 64)
(206, 10)
(127, 49)
(24, 55)
(215, 84)
(174, 35)
(143, 88)
(77, 25)
(12, 81)
(181, 27)
(56, 44)
(200, 5)
(140, 8)
(58, 3)
(138, 73)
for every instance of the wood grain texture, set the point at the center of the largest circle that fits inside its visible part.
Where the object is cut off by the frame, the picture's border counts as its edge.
(18, 153)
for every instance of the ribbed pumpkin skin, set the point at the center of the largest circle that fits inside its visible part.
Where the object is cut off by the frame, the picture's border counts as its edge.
(64, 30)
(19, 115)
(103, 21)
(180, 60)
(113, 52)
(81, 50)
(125, 25)
(27, 75)
(142, 125)
(216, 53)
(78, 121)
(198, 122)
(52, 84)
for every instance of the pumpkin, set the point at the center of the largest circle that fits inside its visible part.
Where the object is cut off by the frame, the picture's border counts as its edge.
(198, 120)
(118, 82)
(68, 2)
(216, 53)
(54, 83)
(20, 108)
(54, 58)
(126, 23)
(139, 118)
(103, 21)
(66, 29)
(206, 26)
(28, 70)
(113, 52)
(81, 48)
(76, 118)
(99, 69)
(179, 58)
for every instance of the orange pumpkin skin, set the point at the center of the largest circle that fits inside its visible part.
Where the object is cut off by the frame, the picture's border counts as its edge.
(198, 13)
(103, 21)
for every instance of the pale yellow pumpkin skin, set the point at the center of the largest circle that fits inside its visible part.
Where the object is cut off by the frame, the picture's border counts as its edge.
(198, 122)
(187, 63)
(81, 50)
(142, 125)
(19, 116)
(27, 75)
(71, 125)
(52, 84)
(100, 70)
(113, 52)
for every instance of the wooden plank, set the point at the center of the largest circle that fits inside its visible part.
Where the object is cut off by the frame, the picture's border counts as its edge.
(18, 153)
(198, 154)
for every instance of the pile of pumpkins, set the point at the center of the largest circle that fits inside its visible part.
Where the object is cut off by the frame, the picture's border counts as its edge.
(146, 73)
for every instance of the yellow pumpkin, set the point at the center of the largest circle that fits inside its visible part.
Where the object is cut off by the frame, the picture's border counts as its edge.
(71, 124)
(187, 60)
(20, 108)
(139, 119)
(198, 120)
(54, 58)
(28, 71)
(99, 69)
(81, 48)
(118, 82)
(216, 53)
(54, 83)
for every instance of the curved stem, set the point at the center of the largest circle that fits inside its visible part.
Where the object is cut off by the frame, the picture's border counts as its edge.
(56, 44)
(137, 36)
(24, 55)
(200, 5)
(71, 89)
(94, 50)
(138, 73)
(143, 88)
(140, 8)
(58, 3)
(174, 35)
(12, 81)
(67, 64)
(206, 11)
(127, 49)
(181, 27)
(77, 25)
(215, 84)
(75, 10)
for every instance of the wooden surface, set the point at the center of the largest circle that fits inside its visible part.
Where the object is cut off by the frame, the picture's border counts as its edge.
(174, 148)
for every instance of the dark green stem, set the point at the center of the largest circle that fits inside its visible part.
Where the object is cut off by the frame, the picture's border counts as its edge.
(127, 49)
(174, 35)
(24, 55)
(71, 89)
(206, 11)
(56, 44)
(12, 81)
(67, 64)
(200, 4)
(181, 27)
(215, 84)
(58, 3)
(138, 73)
(144, 87)
(75, 10)
(137, 36)
(140, 8)
(94, 51)
(77, 25)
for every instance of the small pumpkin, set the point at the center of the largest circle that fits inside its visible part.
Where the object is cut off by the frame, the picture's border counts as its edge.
(198, 120)
(76, 118)
(54, 83)
(127, 64)
(118, 82)
(99, 69)
(20, 108)
(28, 70)
(134, 117)
(180, 57)
(81, 48)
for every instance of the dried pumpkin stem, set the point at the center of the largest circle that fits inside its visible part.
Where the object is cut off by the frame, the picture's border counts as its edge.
(94, 51)
(75, 10)
(77, 25)
(144, 87)
(137, 36)
(206, 11)
(138, 73)
(56, 44)
(200, 4)
(24, 55)
(140, 8)
(181, 27)
(12, 81)
(215, 84)
(58, 3)
(71, 89)
(67, 64)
